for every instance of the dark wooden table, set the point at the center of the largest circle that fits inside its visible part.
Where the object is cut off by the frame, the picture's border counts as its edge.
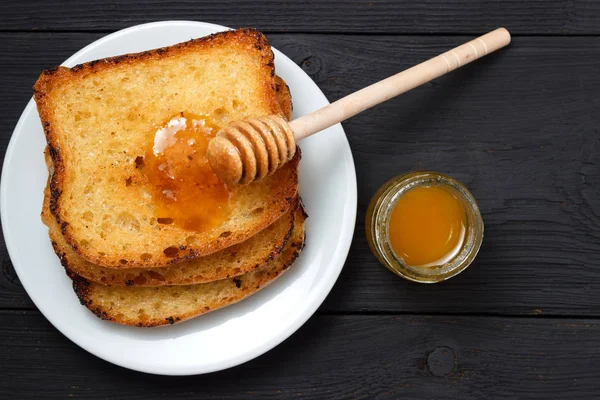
(521, 128)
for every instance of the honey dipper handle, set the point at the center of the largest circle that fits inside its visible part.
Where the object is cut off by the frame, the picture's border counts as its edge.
(397, 84)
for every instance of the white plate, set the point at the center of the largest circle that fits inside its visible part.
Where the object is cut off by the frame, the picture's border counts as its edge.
(223, 338)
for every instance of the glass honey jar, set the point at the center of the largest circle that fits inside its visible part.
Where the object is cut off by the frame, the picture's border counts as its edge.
(424, 226)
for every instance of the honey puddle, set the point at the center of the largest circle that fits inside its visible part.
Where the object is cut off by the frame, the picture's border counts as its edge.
(187, 193)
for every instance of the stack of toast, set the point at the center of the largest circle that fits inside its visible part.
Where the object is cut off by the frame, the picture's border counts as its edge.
(129, 264)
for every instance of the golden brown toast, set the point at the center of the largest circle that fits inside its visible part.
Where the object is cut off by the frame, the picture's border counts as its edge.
(284, 97)
(154, 306)
(227, 263)
(96, 116)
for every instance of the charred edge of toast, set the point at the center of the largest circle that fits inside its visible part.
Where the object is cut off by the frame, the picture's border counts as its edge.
(298, 245)
(55, 179)
(81, 288)
(284, 96)
(286, 239)
(62, 256)
(42, 87)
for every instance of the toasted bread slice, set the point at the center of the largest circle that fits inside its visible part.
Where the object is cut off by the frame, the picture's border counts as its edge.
(227, 263)
(154, 306)
(96, 116)
(284, 97)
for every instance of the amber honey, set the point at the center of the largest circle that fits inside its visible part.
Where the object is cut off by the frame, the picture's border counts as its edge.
(187, 193)
(424, 226)
(427, 226)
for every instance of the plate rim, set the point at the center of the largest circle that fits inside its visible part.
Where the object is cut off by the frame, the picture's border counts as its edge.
(338, 259)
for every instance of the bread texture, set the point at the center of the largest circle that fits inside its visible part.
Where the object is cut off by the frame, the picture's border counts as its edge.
(284, 97)
(165, 305)
(227, 263)
(96, 116)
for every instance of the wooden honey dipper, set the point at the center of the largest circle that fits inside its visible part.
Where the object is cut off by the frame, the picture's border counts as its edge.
(249, 150)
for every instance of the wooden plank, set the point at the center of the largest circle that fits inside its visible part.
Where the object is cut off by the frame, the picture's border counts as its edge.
(519, 128)
(558, 17)
(334, 357)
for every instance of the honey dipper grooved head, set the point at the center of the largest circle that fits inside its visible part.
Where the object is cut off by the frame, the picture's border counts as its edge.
(224, 158)
(246, 151)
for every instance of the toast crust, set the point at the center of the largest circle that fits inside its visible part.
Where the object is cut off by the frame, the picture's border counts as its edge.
(129, 306)
(284, 97)
(227, 263)
(278, 191)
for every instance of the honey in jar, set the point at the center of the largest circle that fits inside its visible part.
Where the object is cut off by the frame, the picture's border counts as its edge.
(425, 226)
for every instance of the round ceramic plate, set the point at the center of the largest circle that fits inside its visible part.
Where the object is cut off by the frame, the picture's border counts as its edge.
(220, 339)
